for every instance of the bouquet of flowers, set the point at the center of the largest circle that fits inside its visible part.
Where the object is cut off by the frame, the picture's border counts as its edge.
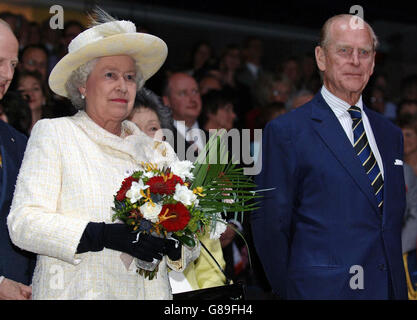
(185, 199)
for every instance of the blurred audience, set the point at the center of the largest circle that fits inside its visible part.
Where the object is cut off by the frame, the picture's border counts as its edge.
(34, 58)
(201, 59)
(300, 97)
(34, 91)
(72, 28)
(269, 88)
(218, 110)
(209, 82)
(252, 65)
(408, 125)
(409, 87)
(407, 107)
(290, 68)
(15, 111)
(229, 63)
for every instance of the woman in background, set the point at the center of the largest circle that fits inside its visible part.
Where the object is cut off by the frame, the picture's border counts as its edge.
(30, 86)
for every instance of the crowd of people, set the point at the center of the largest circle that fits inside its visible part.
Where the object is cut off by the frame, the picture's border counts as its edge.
(215, 90)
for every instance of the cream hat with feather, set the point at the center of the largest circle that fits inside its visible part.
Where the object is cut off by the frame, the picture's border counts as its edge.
(109, 39)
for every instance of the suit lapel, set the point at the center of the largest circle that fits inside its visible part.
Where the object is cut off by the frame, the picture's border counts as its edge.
(329, 129)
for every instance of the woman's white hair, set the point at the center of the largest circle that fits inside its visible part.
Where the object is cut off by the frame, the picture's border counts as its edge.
(79, 76)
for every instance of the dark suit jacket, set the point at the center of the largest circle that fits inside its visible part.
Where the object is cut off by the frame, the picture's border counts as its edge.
(322, 218)
(15, 264)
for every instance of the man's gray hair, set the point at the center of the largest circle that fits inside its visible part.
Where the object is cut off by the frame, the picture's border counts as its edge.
(325, 30)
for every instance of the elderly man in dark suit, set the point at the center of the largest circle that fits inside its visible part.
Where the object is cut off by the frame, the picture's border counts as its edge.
(331, 227)
(15, 265)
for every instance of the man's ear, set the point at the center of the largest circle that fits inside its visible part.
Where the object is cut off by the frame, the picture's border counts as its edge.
(373, 63)
(320, 58)
(165, 100)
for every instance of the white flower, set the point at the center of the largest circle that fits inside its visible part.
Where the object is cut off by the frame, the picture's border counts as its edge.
(134, 192)
(148, 174)
(220, 226)
(182, 169)
(150, 211)
(184, 195)
(128, 173)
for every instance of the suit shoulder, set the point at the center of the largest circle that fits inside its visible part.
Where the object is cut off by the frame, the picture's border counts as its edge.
(47, 124)
(7, 131)
(294, 116)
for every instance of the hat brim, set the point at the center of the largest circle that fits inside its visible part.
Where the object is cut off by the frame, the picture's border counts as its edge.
(148, 51)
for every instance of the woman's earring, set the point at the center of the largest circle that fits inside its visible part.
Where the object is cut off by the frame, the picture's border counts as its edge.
(82, 96)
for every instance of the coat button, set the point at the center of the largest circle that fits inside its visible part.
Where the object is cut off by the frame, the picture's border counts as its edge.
(382, 267)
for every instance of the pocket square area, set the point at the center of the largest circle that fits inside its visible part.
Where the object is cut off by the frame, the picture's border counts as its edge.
(398, 162)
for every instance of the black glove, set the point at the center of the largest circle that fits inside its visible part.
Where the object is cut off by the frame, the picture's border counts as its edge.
(119, 237)
(172, 249)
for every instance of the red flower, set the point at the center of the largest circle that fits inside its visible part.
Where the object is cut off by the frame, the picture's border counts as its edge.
(163, 185)
(174, 217)
(126, 184)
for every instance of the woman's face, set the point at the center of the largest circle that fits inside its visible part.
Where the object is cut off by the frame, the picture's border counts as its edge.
(147, 120)
(31, 89)
(280, 92)
(224, 117)
(410, 141)
(202, 54)
(232, 59)
(110, 89)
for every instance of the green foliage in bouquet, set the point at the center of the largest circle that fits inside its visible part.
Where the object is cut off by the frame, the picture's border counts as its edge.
(226, 187)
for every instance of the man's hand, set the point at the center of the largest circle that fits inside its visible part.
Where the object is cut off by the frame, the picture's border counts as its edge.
(12, 290)
(227, 237)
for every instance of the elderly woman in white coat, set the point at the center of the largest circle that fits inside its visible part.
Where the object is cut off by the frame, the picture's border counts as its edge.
(73, 166)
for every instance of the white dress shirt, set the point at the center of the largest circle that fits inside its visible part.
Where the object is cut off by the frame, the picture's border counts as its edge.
(254, 69)
(192, 133)
(340, 109)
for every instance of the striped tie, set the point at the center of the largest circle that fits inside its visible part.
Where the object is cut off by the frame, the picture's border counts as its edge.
(364, 152)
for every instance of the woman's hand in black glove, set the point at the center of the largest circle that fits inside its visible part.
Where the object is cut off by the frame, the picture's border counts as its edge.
(120, 237)
(173, 249)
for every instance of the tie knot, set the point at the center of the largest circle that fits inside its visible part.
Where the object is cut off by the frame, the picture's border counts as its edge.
(355, 112)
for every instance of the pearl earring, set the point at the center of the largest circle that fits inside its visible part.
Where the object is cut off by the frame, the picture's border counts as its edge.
(82, 97)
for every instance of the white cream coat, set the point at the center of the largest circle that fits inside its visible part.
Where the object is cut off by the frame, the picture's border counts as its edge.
(71, 170)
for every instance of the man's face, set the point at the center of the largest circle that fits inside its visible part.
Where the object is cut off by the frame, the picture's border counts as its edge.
(409, 108)
(35, 59)
(8, 58)
(348, 59)
(183, 98)
(410, 141)
(280, 92)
